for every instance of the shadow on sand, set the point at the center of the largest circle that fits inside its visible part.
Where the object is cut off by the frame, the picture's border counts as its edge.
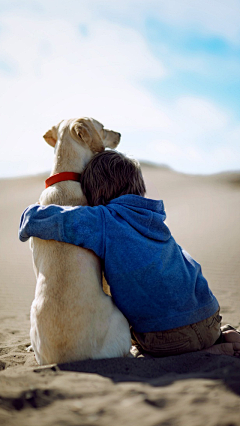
(161, 371)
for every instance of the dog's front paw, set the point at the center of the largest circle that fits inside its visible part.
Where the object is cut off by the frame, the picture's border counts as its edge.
(29, 349)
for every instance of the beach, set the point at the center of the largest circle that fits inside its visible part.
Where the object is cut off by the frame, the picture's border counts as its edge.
(195, 389)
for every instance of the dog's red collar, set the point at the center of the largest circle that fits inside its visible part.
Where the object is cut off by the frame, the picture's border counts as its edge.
(60, 177)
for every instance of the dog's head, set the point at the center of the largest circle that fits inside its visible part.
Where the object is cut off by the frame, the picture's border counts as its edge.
(86, 131)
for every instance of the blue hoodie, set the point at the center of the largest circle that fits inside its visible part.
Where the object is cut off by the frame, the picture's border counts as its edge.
(156, 284)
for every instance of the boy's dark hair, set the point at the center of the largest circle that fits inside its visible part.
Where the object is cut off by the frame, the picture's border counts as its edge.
(110, 174)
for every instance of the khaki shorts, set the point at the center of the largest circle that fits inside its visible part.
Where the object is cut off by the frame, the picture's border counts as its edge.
(190, 338)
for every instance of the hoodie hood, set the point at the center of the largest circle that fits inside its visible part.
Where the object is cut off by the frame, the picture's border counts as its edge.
(145, 215)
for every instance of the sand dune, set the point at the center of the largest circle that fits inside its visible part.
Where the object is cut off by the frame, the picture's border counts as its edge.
(203, 213)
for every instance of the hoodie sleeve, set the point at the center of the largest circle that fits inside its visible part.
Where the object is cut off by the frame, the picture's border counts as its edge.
(81, 226)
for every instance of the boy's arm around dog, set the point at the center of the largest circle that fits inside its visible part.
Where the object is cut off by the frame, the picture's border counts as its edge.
(73, 225)
(155, 284)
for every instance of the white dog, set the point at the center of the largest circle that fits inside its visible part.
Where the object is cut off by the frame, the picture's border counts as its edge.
(71, 317)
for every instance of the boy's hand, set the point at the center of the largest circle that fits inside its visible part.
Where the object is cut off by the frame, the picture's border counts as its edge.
(24, 228)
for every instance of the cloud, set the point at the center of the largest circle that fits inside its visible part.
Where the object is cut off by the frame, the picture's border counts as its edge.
(211, 16)
(203, 115)
(195, 159)
(73, 61)
(215, 17)
(202, 138)
(61, 73)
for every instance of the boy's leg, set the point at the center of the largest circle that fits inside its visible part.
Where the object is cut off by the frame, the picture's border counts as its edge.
(228, 327)
(230, 334)
(191, 338)
(230, 349)
(228, 343)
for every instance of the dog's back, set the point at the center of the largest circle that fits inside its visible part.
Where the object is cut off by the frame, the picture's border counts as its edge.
(71, 317)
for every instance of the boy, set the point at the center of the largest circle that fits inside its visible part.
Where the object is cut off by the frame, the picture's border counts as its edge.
(154, 282)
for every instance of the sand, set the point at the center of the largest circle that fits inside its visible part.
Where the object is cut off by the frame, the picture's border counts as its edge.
(203, 213)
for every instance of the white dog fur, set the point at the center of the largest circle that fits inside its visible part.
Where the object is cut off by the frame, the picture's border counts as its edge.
(71, 317)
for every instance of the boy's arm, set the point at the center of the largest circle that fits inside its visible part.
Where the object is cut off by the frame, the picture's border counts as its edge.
(81, 226)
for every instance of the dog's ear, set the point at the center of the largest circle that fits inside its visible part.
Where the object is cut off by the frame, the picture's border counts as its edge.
(86, 132)
(51, 137)
(82, 132)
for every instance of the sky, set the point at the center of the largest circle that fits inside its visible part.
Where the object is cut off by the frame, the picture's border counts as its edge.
(164, 73)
